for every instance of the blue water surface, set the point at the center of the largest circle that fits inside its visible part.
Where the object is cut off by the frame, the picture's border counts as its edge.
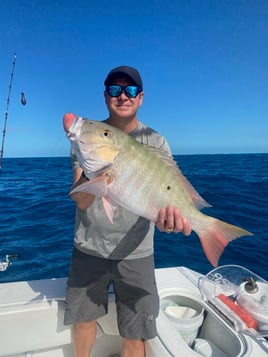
(37, 214)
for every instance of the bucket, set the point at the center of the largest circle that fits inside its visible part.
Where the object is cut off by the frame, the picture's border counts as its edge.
(186, 315)
(207, 348)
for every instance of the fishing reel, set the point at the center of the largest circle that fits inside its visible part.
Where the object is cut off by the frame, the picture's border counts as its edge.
(5, 264)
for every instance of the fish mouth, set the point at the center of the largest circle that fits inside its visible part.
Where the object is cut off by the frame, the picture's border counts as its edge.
(74, 130)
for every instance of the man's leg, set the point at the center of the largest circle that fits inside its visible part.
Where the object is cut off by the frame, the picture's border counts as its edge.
(84, 338)
(137, 304)
(133, 348)
(86, 299)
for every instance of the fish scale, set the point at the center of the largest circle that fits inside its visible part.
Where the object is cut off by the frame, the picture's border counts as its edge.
(134, 188)
(139, 187)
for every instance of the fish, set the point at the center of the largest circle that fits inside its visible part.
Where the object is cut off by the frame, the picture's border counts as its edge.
(142, 179)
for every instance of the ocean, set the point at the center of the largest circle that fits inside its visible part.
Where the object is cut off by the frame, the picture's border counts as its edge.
(37, 214)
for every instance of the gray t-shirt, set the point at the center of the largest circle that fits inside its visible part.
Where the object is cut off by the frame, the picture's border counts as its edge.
(130, 236)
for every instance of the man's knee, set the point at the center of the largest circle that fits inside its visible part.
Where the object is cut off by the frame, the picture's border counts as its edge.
(133, 345)
(84, 327)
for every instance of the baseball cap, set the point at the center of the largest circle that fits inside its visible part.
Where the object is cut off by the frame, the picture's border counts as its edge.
(130, 72)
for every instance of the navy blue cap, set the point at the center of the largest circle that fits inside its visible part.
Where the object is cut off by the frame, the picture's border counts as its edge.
(124, 71)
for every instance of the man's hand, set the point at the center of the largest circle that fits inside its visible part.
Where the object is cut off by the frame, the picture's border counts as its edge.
(82, 199)
(170, 220)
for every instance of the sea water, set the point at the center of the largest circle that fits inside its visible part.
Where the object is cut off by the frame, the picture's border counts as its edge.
(37, 214)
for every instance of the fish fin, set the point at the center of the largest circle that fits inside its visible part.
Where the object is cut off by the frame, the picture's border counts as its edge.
(164, 155)
(97, 187)
(109, 208)
(216, 237)
(197, 200)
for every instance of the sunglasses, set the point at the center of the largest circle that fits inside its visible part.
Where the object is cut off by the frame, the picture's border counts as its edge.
(116, 90)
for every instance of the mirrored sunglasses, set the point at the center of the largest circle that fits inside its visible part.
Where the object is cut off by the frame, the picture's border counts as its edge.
(116, 90)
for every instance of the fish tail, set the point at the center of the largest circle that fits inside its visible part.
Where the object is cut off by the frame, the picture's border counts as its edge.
(216, 237)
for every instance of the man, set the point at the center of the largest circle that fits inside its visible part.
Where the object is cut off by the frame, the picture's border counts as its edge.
(120, 253)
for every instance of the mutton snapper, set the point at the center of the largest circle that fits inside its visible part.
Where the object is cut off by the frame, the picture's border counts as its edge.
(143, 180)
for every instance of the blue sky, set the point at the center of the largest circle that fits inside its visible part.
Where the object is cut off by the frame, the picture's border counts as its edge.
(204, 65)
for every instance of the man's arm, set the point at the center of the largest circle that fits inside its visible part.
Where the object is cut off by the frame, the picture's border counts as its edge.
(82, 199)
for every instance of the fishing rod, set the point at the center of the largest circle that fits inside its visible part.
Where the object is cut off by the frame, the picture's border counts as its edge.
(7, 262)
(6, 113)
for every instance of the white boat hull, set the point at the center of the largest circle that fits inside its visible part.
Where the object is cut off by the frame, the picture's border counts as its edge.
(31, 323)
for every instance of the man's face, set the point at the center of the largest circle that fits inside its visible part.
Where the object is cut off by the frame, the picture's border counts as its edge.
(122, 106)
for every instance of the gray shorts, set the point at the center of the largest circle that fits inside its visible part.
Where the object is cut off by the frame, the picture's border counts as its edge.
(135, 291)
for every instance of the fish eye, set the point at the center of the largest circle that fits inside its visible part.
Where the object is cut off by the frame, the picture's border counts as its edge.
(106, 133)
